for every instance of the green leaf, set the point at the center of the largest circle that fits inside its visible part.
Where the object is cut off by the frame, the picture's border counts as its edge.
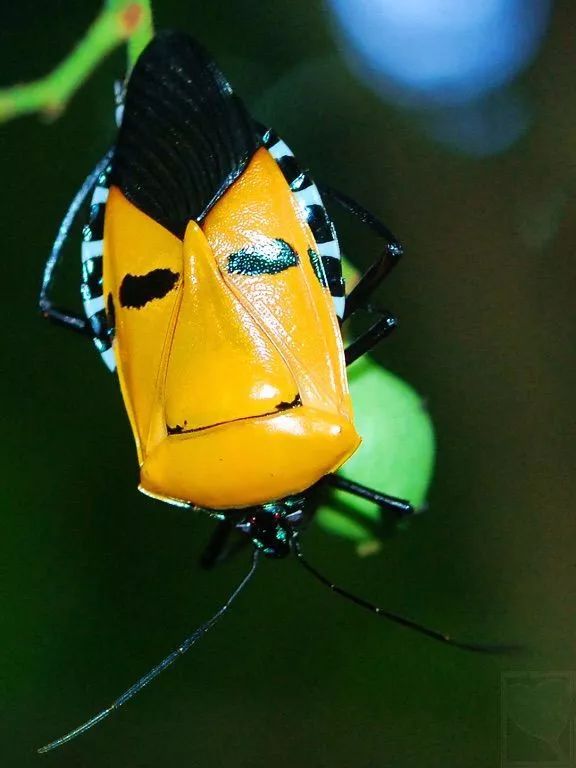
(396, 455)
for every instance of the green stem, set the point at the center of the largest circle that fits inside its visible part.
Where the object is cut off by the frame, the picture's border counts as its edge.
(143, 31)
(119, 21)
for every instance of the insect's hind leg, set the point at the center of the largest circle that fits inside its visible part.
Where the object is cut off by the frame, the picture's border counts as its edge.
(399, 507)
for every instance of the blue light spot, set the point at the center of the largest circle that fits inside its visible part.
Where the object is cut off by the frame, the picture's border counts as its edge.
(419, 52)
(481, 128)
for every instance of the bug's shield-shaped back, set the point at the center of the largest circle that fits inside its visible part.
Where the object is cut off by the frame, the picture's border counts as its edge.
(257, 358)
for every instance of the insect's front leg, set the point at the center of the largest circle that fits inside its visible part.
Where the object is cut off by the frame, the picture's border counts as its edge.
(65, 317)
(380, 269)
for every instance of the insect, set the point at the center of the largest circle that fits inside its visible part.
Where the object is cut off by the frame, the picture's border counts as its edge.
(212, 285)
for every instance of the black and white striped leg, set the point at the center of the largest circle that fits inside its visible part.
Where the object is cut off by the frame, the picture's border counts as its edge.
(399, 507)
(379, 330)
(372, 278)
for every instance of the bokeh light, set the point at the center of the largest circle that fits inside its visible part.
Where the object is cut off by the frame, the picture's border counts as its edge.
(487, 126)
(452, 62)
(440, 51)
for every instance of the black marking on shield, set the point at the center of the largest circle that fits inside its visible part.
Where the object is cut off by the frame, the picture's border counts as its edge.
(137, 290)
(284, 406)
(177, 429)
(268, 258)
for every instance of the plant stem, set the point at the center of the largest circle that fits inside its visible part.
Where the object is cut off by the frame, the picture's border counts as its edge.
(118, 22)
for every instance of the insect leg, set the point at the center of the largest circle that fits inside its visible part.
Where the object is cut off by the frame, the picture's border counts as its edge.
(229, 552)
(212, 555)
(65, 317)
(383, 327)
(400, 507)
(382, 267)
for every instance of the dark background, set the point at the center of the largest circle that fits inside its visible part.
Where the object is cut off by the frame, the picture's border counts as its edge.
(99, 582)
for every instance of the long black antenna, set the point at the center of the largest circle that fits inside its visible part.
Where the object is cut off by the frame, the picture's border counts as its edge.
(170, 659)
(394, 617)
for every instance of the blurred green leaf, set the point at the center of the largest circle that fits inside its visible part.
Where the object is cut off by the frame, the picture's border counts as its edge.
(396, 455)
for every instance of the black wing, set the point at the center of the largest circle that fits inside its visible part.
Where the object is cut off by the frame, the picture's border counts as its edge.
(185, 137)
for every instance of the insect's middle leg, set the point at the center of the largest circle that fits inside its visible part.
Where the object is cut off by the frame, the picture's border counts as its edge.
(378, 331)
(392, 508)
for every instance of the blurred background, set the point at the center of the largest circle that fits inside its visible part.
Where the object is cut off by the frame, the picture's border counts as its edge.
(454, 122)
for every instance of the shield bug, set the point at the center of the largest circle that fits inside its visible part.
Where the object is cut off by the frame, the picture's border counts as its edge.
(212, 285)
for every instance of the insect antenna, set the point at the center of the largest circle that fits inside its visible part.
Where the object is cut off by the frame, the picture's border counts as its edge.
(394, 617)
(155, 671)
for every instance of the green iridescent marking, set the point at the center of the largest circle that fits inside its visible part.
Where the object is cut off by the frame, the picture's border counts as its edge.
(316, 262)
(272, 508)
(268, 257)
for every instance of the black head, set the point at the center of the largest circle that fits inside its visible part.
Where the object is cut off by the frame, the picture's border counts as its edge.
(271, 526)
